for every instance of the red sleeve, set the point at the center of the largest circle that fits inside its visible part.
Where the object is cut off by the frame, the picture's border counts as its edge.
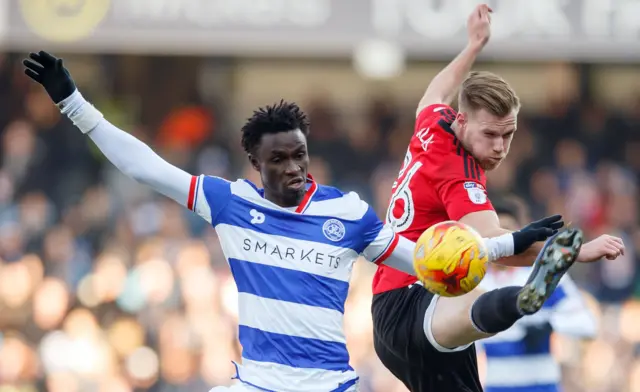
(461, 196)
(431, 114)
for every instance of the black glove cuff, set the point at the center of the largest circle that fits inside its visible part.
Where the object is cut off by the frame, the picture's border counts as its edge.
(61, 92)
(521, 241)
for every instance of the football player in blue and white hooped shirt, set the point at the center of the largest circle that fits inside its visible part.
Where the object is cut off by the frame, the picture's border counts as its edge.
(519, 359)
(291, 246)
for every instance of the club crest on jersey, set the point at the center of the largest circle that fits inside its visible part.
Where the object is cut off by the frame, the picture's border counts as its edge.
(476, 192)
(334, 230)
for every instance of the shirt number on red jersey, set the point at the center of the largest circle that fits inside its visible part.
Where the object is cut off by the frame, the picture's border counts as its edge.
(401, 207)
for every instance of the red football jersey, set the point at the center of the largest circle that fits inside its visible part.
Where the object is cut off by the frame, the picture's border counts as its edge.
(439, 181)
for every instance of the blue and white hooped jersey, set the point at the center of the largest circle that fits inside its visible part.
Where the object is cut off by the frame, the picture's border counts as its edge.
(292, 269)
(514, 366)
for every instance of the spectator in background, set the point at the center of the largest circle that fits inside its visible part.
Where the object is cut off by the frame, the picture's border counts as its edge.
(513, 355)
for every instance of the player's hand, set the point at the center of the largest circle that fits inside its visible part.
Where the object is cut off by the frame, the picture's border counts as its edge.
(536, 231)
(553, 222)
(605, 246)
(49, 71)
(479, 26)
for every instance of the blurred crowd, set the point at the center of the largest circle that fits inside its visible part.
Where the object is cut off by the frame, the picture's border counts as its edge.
(105, 286)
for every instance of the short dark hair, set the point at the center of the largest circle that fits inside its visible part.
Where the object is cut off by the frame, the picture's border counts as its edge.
(280, 117)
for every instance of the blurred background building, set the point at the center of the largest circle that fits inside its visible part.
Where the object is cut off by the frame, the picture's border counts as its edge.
(105, 286)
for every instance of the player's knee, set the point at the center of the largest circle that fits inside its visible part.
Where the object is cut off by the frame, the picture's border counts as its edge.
(449, 326)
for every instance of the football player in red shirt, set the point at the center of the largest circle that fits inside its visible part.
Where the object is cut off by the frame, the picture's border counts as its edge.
(426, 340)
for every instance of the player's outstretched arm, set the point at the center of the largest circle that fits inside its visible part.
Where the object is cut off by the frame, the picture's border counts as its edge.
(444, 86)
(528, 240)
(128, 154)
(137, 160)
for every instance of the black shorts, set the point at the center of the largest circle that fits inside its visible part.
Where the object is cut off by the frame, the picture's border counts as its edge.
(405, 345)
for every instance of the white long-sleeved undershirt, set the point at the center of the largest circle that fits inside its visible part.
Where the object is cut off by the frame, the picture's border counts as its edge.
(130, 155)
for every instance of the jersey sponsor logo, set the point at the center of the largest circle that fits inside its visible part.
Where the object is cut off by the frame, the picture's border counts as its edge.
(476, 192)
(311, 256)
(256, 217)
(334, 230)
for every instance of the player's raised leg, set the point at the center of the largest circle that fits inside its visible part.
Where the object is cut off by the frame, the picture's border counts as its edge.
(456, 322)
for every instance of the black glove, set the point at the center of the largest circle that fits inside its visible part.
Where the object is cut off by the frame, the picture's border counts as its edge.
(536, 336)
(536, 231)
(49, 71)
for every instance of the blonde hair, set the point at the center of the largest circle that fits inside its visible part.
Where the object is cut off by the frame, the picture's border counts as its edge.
(486, 90)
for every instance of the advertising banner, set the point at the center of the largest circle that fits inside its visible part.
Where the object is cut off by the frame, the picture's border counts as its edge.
(594, 30)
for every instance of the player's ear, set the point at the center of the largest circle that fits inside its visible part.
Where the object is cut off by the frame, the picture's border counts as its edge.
(461, 118)
(254, 162)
